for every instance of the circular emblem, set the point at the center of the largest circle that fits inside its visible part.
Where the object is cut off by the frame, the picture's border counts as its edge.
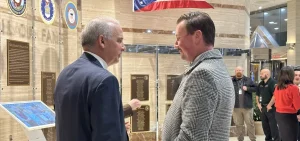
(47, 11)
(71, 15)
(17, 7)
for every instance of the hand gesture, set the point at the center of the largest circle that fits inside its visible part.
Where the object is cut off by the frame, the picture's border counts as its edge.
(259, 106)
(269, 108)
(134, 104)
(244, 88)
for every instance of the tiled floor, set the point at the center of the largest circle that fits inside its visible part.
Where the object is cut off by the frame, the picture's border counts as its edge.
(258, 138)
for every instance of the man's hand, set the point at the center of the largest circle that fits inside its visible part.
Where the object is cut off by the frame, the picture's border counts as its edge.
(269, 107)
(244, 88)
(259, 106)
(134, 104)
(127, 125)
(298, 116)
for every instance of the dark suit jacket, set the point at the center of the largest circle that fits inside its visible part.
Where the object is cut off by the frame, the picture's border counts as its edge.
(88, 104)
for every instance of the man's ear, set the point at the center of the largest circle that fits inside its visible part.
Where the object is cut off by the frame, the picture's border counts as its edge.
(101, 41)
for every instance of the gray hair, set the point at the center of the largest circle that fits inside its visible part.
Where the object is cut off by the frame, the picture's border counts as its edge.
(95, 28)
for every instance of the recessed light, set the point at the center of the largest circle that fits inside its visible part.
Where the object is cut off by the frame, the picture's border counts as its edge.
(148, 31)
(260, 7)
(276, 28)
(285, 19)
(271, 22)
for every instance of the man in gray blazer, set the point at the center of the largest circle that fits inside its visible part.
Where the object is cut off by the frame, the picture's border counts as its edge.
(203, 104)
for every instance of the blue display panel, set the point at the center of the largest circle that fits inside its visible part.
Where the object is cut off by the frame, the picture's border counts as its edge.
(31, 114)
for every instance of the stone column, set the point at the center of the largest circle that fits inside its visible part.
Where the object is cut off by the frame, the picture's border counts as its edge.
(293, 33)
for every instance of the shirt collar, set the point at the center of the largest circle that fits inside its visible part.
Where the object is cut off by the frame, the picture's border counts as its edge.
(101, 61)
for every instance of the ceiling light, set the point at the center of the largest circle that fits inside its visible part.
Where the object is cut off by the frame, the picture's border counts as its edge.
(276, 28)
(260, 7)
(271, 22)
(285, 19)
(148, 31)
(173, 32)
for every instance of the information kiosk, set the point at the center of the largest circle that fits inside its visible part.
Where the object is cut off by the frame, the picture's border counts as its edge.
(33, 115)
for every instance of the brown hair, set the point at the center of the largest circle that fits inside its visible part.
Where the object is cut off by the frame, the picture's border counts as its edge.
(285, 77)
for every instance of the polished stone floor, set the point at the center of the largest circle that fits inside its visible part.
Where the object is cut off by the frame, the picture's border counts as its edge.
(258, 138)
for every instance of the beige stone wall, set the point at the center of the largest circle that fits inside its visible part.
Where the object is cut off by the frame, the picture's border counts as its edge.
(293, 32)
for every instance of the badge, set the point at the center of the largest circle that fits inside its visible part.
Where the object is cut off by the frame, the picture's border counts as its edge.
(17, 7)
(260, 99)
(71, 15)
(240, 91)
(47, 11)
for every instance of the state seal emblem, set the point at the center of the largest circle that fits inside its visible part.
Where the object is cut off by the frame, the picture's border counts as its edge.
(17, 7)
(47, 11)
(71, 15)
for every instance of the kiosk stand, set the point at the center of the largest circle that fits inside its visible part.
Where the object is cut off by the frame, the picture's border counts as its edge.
(33, 116)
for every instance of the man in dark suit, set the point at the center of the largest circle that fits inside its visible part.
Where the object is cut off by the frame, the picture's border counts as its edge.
(88, 104)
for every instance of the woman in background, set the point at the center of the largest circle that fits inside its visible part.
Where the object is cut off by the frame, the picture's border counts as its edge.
(287, 103)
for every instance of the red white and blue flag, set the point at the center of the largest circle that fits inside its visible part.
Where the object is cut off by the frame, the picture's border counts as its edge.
(152, 5)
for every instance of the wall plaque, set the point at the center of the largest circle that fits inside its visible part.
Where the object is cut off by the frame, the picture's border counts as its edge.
(18, 64)
(50, 134)
(170, 89)
(140, 120)
(48, 85)
(140, 87)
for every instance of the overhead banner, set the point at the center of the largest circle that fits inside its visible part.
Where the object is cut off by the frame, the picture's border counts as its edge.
(153, 5)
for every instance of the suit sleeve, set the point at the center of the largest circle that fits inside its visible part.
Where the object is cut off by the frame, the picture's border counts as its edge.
(105, 104)
(252, 86)
(127, 110)
(198, 108)
(257, 90)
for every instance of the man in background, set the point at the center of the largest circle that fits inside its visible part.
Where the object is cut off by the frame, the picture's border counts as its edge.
(243, 108)
(265, 103)
(88, 103)
(297, 82)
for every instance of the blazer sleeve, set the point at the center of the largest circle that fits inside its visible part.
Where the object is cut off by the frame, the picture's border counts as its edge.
(198, 108)
(252, 86)
(127, 110)
(105, 106)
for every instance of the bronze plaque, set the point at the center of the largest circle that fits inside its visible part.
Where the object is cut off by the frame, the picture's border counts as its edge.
(140, 87)
(168, 107)
(50, 134)
(171, 90)
(140, 120)
(18, 63)
(48, 85)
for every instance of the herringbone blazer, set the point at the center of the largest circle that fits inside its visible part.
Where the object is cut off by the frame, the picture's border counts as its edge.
(203, 104)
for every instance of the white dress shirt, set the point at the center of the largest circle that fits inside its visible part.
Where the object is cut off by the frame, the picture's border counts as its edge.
(102, 62)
